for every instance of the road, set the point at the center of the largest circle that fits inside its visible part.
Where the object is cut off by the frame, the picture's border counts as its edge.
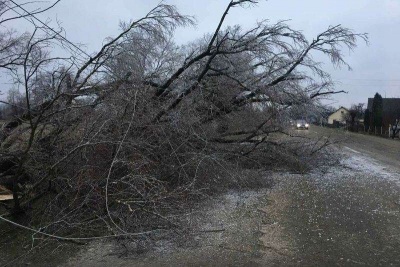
(384, 150)
(348, 215)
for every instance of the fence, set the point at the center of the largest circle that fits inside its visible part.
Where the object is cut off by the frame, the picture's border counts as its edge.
(394, 131)
(383, 131)
(387, 132)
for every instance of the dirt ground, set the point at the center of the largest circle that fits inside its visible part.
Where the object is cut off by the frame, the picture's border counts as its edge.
(342, 215)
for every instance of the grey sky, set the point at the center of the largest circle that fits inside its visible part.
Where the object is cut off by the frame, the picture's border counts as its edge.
(375, 67)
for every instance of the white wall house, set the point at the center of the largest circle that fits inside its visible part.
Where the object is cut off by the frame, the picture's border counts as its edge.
(339, 116)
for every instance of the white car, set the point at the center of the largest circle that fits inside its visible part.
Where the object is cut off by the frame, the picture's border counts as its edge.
(302, 124)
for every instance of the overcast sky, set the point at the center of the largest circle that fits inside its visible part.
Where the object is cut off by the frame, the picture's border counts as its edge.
(376, 68)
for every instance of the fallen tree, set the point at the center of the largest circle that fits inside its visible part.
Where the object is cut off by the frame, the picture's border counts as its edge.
(115, 143)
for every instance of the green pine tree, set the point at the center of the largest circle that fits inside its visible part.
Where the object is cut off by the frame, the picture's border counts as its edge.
(377, 110)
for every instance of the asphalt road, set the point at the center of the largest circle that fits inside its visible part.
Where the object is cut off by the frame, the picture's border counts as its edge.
(348, 215)
(383, 150)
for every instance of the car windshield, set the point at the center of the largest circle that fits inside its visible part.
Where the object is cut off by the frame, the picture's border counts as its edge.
(301, 122)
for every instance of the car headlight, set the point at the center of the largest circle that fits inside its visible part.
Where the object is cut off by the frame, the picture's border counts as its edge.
(307, 125)
(298, 125)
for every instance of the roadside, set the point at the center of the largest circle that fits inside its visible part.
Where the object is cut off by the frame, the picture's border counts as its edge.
(226, 232)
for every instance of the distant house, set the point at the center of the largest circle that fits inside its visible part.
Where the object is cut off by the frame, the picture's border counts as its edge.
(339, 116)
(390, 112)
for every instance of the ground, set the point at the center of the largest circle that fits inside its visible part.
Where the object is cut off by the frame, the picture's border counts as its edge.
(342, 215)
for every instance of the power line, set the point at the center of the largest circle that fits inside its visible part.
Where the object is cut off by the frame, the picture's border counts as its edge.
(48, 27)
(370, 85)
(370, 80)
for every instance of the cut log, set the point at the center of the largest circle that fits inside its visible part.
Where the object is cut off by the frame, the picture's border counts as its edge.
(5, 194)
(6, 197)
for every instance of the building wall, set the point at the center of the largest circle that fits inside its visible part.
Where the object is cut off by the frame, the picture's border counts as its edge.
(338, 115)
